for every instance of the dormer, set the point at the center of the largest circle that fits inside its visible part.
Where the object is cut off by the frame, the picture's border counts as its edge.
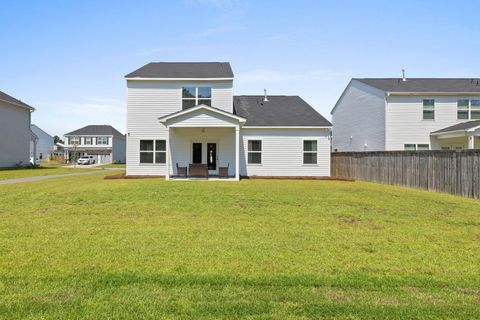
(176, 86)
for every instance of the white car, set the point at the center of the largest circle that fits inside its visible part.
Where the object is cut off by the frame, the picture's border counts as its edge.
(86, 160)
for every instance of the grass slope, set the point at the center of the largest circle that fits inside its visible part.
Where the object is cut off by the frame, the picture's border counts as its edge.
(258, 249)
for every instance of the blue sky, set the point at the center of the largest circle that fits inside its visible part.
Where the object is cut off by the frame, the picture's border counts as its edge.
(68, 58)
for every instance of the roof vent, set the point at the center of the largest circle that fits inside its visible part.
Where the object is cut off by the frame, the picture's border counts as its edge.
(265, 99)
(403, 75)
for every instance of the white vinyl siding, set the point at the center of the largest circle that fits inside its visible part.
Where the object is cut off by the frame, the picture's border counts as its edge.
(149, 100)
(14, 135)
(405, 124)
(359, 119)
(282, 152)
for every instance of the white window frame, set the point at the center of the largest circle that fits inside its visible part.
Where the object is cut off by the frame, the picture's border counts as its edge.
(304, 151)
(470, 109)
(90, 139)
(254, 151)
(410, 144)
(99, 141)
(422, 144)
(197, 98)
(75, 140)
(432, 109)
(154, 151)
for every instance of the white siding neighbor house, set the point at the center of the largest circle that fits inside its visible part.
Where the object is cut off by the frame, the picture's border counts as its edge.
(15, 133)
(183, 120)
(407, 114)
(44, 144)
(103, 142)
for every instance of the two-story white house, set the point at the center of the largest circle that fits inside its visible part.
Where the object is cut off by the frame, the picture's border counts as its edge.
(15, 133)
(104, 142)
(407, 114)
(185, 116)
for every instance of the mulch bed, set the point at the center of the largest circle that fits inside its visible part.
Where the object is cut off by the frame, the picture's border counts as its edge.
(123, 176)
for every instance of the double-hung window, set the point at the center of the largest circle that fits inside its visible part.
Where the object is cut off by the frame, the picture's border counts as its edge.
(74, 140)
(475, 109)
(410, 147)
(153, 151)
(310, 152)
(428, 109)
(254, 151)
(462, 109)
(194, 96)
(102, 140)
(87, 140)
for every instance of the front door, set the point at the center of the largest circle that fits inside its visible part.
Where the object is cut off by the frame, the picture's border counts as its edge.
(212, 156)
(197, 153)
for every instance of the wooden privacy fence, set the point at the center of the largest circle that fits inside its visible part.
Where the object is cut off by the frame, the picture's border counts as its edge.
(443, 171)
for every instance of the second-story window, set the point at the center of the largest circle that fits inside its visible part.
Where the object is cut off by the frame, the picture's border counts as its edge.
(87, 140)
(194, 96)
(74, 140)
(428, 109)
(462, 109)
(475, 109)
(102, 140)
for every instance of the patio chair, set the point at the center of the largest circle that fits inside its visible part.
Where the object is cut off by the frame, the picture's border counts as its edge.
(181, 171)
(223, 171)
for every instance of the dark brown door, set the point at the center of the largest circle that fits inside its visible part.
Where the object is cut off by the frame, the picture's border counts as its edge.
(197, 153)
(212, 156)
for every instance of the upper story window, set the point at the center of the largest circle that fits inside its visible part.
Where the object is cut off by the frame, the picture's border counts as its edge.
(193, 96)
(102, 140)
(87, 140)
(475, 109)
(74, 140)
(468, 109)
(462, 109)
(428, 109)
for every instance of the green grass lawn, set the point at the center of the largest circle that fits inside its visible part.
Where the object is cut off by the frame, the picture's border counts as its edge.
(87, 248)
(43, 170)
(113, 165)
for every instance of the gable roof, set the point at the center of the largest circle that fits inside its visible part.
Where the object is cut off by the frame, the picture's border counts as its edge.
(7, 98)
(34, 128)
(464, 126)
(96, 130)
(183, 70)
(424, 85)
(201, 106)
(279, 111)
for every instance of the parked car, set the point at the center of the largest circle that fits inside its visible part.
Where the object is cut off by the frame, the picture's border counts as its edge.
(86, 160)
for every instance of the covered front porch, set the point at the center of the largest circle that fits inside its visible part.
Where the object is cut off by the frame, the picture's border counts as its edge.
(462, 136)
(202, 143)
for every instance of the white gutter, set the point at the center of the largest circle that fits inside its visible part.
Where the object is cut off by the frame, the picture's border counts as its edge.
(392, 93)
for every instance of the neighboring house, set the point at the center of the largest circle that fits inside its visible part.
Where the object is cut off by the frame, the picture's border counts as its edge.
(15, 133)
(58, 149)
(44, 144)
(102, 141)
(407, 114)
(185, 114)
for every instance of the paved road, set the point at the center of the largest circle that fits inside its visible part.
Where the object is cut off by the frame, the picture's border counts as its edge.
(53, 176)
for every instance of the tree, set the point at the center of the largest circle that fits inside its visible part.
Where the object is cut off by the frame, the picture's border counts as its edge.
(56, 139)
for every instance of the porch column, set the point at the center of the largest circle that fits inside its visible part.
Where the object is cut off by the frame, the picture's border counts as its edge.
(471, 142)
(167, 160)
(237, 153)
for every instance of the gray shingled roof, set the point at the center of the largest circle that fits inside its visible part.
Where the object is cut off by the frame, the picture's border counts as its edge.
(288, 111)
(6, 97)
(424, 84)
(96, 130)
(460, 126)
(183, 70)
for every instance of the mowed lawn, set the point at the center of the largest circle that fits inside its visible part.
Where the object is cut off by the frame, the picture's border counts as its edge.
(44, 170)
(87, 248)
